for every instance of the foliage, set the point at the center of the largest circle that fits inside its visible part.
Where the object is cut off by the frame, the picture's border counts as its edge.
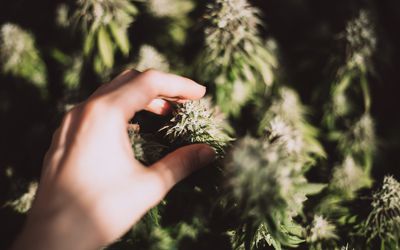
(384, 219)
(20, 56)
(197, 122)
(106, 23)
(292, 171)
(234, 60)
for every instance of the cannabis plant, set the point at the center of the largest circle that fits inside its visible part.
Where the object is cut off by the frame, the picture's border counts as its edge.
(104, 24)
(320, 231)
(289, 173)
(384, 219)
(234, 61)
(347, 119)
(20, 57)
(197, 122)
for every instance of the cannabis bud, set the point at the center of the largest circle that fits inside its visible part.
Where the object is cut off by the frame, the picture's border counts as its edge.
(321, 230)
(170, 8)
(150, 58)
(348, 178)
(232, 39)
(19, 55)
(384, 219)
(145, 147)
(360, 36)
(105, 23)
(197, 122)
(285, 123)
(265, 184)
(361, 137)
(24, 202)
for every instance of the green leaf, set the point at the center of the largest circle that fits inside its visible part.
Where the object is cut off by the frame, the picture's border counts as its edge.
(121, 37)
(105, 47)
(312, 188)
(60, 57)
(98, 65)
(131, 9)
(88, 43)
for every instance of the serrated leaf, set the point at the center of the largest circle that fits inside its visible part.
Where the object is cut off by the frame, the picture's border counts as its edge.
(105, 47)
(121, 37)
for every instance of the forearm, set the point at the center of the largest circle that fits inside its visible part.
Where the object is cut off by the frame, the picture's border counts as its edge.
(62, 231)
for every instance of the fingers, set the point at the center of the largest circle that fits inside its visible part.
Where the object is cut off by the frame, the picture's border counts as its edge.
(159, 106)
(180, 163)
(116, 82)
(138, 92)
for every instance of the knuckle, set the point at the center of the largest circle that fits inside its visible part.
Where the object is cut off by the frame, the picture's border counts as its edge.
(150, 73)
(95, 107)
(151, 78)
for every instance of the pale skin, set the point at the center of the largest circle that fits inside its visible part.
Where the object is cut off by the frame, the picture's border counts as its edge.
(92, 189)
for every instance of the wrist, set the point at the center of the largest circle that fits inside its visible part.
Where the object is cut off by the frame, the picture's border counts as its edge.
(59, 230)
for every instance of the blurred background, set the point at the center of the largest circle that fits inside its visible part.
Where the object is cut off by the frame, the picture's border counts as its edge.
(54, 53)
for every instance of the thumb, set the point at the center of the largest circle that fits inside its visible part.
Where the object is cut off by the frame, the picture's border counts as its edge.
(177, 165)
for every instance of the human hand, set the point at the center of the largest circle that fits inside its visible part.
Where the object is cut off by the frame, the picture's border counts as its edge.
(92, 189)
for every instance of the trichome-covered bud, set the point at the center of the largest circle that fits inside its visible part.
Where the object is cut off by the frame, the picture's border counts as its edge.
(19, 55)
(321, 230)
(384, 219)
(197, 122)
(150, 58)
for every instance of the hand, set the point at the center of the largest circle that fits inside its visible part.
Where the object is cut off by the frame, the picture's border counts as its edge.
(92, 189)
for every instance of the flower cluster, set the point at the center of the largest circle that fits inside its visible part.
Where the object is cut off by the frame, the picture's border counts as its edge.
(361, 39)
(268, 189)
(105, 23)
(19, 55)
(197, 122)
(145, 146)
(95, 13)
(285, 123)
(361, 137)
(150, 58)
(348, 178)
(234, 61)
(321, 229)
(24, 202)
(170, 8)
(384, 219)
(348, 120)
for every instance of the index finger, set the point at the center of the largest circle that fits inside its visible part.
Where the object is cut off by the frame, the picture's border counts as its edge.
(139, 91)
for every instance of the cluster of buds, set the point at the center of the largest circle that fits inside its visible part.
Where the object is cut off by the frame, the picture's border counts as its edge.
(384, 219)
(197, 122)
(19, 55)
(235, 60)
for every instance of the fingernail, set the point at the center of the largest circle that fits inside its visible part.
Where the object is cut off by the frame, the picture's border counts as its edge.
(206, 155)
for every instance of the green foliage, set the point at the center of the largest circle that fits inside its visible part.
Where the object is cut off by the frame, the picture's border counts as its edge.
(285, 121)
(234, 60)
(298, 176)
(321, 230)
(150, 58)
(170, 8)
(24, 202)
(348, 178)
(263, 168)
(105, 25)
(197, 122)
(20, 57)
(384, 220)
